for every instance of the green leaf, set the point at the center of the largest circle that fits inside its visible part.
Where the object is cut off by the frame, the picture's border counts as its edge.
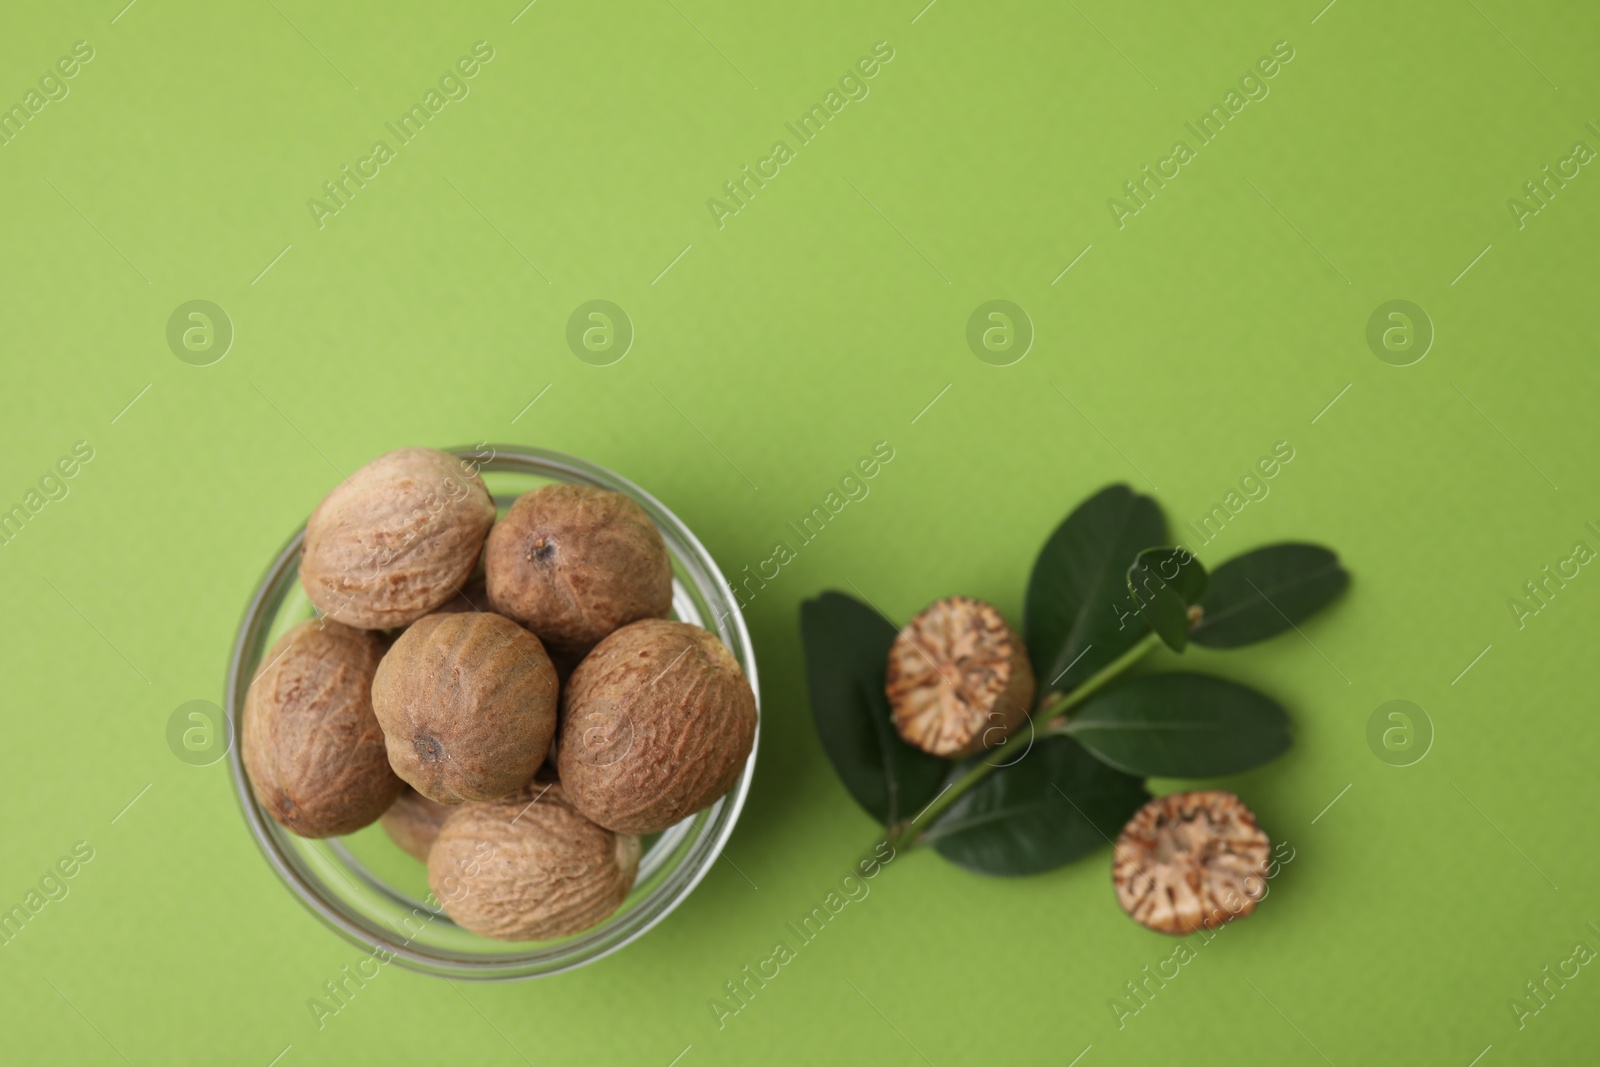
(1077, 618)
(1263, 593)
(1181, 725)
(1052, 806)
(847, 656)
(1164, 582)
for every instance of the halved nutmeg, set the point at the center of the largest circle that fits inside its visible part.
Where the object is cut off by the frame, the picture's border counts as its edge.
(1189, 861)
(959, 680)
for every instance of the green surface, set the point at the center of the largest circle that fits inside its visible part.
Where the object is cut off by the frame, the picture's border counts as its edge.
(825, 317)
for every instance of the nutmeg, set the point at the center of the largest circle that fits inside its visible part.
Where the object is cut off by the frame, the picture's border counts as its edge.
(529, 867)
(396, 539)
(572, 563)
(468, 706)
(656, 723)
(1188, 861)
(413, 822)
(310, 741)
(959, 680)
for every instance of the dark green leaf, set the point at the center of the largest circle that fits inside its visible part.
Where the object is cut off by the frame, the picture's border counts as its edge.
(847, 657)
(1164, 582)
(1078, 616)
(1181, 725)
(1052, 806)
(1263, 593)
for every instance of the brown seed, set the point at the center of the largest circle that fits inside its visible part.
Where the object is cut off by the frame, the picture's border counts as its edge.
(959, 680)
(656, 723)
(310, 741)
(1188, 861)
(413, 822)
(572, 563)
(529, 867)
(396, 539)
(468, 706)
(474, 596)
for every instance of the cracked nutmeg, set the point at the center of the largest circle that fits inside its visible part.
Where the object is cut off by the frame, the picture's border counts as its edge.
(573, 563)
(396, 539)
(1189, 861)
(467, 702)
(959, 681)
(529, 867)
(311, 743)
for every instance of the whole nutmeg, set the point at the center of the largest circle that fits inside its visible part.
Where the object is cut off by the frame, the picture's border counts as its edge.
(572, 563)
(1188, 861)
(529, 867)
(959, 680)
(413, 822)
(468, 706)
(656, 723)
(396, 539)
(310, 742)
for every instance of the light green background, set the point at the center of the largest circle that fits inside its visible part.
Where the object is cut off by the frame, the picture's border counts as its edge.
(823, 318)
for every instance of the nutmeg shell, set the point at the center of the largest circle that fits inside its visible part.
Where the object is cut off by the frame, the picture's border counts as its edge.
(467, 702)
(529, 867)
(656, 723)
(396, 539)
(572, 563)
(311, 744)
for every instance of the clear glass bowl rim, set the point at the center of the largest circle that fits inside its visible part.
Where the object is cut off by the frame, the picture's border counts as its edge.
(713, 826)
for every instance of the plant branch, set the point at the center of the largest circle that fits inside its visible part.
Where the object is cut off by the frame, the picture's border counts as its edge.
(1049, 714)
(907, 833)
(1061, 703)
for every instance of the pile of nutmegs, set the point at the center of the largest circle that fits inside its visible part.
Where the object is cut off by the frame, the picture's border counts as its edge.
(508, 696)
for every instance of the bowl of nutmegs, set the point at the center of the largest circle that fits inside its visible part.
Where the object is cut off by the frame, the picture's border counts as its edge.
(494, 711)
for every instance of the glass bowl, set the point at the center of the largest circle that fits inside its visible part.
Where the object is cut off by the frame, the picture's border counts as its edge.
(375, 895)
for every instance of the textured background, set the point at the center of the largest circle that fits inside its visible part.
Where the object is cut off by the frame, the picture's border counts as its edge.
(830, 313)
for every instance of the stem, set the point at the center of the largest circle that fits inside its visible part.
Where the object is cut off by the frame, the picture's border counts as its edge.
(1061, 703)
(906, 833)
